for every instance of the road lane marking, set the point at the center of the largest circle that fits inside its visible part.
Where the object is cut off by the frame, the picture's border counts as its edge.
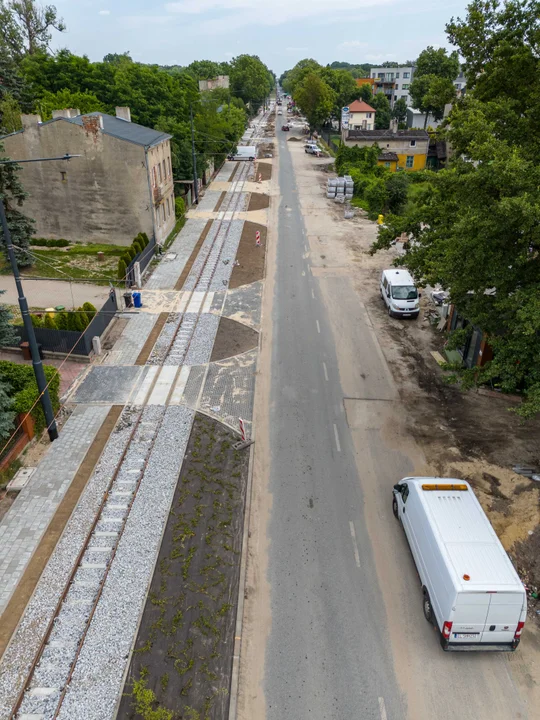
(305, 247)
(357, 559)
(382, 709)
(325, 371)
(337, 438)
(303, 273)
(318, 326)
(313, 294)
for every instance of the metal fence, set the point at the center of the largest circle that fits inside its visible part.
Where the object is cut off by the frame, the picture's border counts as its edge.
(66, 341)
(143, 258)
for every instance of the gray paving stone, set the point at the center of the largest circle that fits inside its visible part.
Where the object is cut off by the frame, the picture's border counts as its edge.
(167, 272)
(202, 342)
(209, 201)
(225, 173)
(244, 304)
(48, 485)
(106, 384)
(127, 348)
(228, 390)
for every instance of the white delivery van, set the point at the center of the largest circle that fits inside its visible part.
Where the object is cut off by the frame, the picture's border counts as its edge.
(399, 293)
(244, 152)
(471, 590)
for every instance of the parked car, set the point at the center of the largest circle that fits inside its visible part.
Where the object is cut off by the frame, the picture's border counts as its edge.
(313, 150)
(243, 152)
(286, 128)
(399, 293)
(280, 112)
(471, 591)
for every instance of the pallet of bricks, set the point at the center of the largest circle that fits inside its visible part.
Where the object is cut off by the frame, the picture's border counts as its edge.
(340, 189)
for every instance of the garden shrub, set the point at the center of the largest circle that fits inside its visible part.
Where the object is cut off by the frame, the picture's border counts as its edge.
(179, 207)
(122, 268)
(144, 236)
(62, 320)
(24, 391)
(49, 322)
(43, 242)
(137, 247)
(90, 310)
(37, 320)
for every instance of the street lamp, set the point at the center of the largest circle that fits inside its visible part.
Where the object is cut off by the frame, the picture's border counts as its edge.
(23, 304)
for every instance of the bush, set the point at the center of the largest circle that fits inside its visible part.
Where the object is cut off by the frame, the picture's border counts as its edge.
(377, 196)
(122, 268)
(137, 247)
(37, 320)
(83, 321)
(397, 188)
(90, 311)
(62, 320)
(43, 242)
(144, 236)
(179, 207)
(131, 252)
(24, 389)
(49, 322)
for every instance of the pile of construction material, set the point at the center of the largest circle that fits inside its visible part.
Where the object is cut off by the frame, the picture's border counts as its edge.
(340, 189)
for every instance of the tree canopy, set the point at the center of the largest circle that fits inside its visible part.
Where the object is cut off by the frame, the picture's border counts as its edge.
(476, 230)
(315, 99)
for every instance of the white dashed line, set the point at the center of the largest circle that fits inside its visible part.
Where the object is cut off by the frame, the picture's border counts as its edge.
(313, 294)
(357, 560)
(325, 371)
(382, 709)
(318, 326)
(337, 438)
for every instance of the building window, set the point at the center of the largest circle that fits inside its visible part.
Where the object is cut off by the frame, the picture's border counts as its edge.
(163, 211)
(373, 76)
(368, 115)
(403, 97)
(63, 175)
(397, 76)
(397, 86)
(413, 143)
(154, 176)
(406, 75)
(410, 161)
(404, 87)
(164, 170)
(159, 171)
(169, 165)
(457, 86)
(387, 164)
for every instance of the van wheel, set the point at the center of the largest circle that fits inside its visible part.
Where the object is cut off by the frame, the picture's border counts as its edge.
(390, 311)
(428, 610)
(252, 159)
(395, 507)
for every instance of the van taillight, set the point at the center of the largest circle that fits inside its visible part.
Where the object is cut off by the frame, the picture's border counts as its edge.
(447, 629)
(519, 628)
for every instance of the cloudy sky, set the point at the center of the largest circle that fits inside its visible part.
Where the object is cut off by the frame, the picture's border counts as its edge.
(281, 32)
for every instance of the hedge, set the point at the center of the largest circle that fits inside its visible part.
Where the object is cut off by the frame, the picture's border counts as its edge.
(43, 242)
(66, 320)
(24, 391)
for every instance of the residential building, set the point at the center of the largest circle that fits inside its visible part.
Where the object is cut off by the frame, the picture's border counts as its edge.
(416, 119)
(366, 81)
(221, 81)
(120, 185)
(361, 116)
(388, 160)
(409, 146)
(393, 82)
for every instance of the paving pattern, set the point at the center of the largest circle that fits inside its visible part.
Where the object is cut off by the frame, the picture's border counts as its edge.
(127, 348)
(27, 519)
(209, 201)
(106, 384)
(244, 304)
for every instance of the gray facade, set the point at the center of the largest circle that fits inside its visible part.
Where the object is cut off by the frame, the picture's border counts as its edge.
(121, 185)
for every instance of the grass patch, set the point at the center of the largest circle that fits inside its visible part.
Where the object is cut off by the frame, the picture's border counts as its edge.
(78, 261)
(360, 203)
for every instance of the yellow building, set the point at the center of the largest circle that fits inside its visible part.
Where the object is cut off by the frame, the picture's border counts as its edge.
(408, 148)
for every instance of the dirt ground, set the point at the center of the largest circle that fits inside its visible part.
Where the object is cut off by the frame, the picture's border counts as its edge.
(183, 653)
(264, 169)
(250, 256)
(466, 435)
(233, 338)
(258, 201)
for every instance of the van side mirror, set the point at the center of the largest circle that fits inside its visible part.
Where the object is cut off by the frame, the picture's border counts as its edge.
(397, 487)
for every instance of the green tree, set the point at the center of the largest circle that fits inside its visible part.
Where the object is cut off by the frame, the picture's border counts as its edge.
(437, 62)
(344, 86)
(399, 111)
(382, 106)
(297, 74)
(430, 94)
(25, 26)
(118, 59)
(250, 79)
(206, 69)
(10, 114)
(316, 99)
(86, 102)
(397, 187)
(122, 269)
(21, 227)
(365, 93)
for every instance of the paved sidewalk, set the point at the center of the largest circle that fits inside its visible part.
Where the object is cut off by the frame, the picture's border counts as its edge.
(27, 519)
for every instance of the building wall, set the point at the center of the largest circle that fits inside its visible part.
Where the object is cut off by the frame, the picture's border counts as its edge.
(357, 120)
(102, 196)
(415, 120)
(400, 146)
(400, 76)
(390, 164)
(161, 181)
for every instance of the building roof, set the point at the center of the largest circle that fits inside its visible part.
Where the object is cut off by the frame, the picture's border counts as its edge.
(122, 129)
(388, 157)
(373, 135)
(360, 106)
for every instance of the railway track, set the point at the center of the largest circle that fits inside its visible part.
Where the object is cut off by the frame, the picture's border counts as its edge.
(44, 689)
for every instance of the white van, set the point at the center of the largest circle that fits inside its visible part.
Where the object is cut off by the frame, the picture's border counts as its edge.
(399, 293)
(472, 593)
(244, 152)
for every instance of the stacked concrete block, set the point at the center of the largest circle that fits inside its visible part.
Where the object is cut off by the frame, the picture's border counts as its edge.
(340, 189)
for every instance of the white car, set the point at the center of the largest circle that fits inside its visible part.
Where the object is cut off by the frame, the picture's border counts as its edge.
(399, 293)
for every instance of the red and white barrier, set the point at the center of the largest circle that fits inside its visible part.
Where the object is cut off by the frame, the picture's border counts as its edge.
(260, 177)
(242, 429)
(258, 238)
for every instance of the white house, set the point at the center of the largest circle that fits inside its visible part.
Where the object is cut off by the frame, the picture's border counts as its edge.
(361, 116)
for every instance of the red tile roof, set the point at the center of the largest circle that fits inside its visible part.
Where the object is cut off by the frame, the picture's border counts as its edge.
(360, 106)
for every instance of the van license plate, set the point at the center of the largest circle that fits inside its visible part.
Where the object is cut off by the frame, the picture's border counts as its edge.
(465, 636)
(406, 314)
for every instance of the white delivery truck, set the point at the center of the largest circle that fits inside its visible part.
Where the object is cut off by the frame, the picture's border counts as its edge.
(471, 590)
(244, 152)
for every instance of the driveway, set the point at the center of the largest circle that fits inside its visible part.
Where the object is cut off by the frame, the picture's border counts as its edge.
(49, 293)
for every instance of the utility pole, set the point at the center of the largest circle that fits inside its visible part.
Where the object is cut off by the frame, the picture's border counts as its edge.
(39, 372)
(194, 157)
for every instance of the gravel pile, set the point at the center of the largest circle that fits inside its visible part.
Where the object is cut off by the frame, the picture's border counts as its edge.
(26, 640)
(71, 621)
(200, 348)
(97, 682)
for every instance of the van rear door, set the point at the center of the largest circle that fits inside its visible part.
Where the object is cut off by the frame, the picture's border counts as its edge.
(470, 617)
(503, 615)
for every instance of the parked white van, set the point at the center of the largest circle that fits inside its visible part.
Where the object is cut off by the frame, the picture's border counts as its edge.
(472, 592)
(399, 293)
(244, 152)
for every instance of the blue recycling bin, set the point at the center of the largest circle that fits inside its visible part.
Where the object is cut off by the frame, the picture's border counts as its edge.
(137, 299)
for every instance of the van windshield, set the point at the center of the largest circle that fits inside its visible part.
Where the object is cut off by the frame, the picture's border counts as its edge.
(404, 292)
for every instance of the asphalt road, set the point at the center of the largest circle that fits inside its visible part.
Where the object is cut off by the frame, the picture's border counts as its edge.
(347, 636)
(328, 651)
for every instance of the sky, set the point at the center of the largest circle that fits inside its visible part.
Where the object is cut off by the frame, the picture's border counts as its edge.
(280, 32)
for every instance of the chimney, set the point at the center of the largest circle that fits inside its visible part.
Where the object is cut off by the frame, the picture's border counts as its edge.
(73, 112)
(123, 113)
(393, 125)
(30, 121)
(60, 113)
